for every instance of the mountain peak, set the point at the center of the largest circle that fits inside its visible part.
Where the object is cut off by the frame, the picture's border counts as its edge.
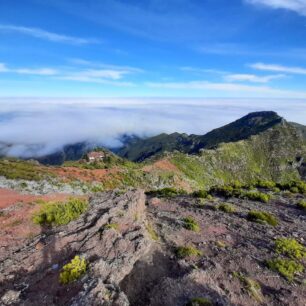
(251, 124)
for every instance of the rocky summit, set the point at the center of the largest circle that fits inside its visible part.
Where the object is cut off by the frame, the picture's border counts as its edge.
(162, 249)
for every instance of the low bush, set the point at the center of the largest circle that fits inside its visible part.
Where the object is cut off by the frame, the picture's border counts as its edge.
(200, 301)
(262, 217)
(293, 186)
(226, 208)
(257, 196)
(290, 247)
(265, 184)
(285, 267)
(187, 251)
(226, 191)
(203, 194)
(59, 213)
(301, 204)
(191, 224)
(73, 270)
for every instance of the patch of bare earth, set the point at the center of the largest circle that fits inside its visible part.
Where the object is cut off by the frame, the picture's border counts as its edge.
(163, 164)
(16, 212)
(87, 175)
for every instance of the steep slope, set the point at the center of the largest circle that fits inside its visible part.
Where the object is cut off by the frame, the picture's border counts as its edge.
(301, 128)
(251, 124)
(277, 153)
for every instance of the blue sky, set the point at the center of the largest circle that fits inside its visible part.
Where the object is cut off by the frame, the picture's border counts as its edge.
(153, 48)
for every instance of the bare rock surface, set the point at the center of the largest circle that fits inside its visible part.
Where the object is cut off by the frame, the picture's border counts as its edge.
(33, 270)
(130, 242)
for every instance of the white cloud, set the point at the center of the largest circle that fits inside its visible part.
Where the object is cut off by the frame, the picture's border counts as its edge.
(40, 71)
(298, 6)
(101, 76)
(252, 78)
(229, 88)
(52, 123)
(278, 68)
(46, 35)
(3, 67)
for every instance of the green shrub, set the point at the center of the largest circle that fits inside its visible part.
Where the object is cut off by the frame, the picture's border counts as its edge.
(286, 267)
(199, 301)
(226, 191)
(262, 217)
(301, 204)
(294, 190)
(226, 208)
(290, 247)
(265, 184)
(167, 192)
(200, 194)
(60, 213)
(293, 186)
(187, 251)
(257, 196)
(73, 270)
(191, 224)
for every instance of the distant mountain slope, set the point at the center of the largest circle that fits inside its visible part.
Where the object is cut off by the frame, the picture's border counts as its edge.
(301, 128)
(279, 154)
(242, 128)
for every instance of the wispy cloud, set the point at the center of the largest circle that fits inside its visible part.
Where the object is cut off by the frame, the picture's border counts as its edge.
(252, 78)
(229, 88)
(201, 71)
(278, 68)
(298, 6)
(30, 71)
(99, 76)
(46, 35)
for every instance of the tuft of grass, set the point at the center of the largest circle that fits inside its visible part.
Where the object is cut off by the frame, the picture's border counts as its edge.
(288, 268)
(186, 251)
(301, 204)
(262, 217)
(226, 208)
(265, 184)
(202, 194)
(251, 285)
(152, 232)
(114, 226)
(290, 248)
(257, 196)
(59, 213)
(200, 301)
(226, 191)
(73, 270)
(191, 224)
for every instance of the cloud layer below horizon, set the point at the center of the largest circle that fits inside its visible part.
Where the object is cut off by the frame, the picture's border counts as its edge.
(36, 127)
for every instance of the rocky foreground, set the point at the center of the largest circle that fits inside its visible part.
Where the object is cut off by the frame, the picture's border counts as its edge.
(131, 244)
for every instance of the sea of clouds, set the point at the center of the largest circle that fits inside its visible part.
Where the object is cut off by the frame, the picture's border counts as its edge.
(32, 127)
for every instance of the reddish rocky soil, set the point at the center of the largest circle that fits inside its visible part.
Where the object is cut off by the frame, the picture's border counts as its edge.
(162, 164)
(73, 173)
(16, 211)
